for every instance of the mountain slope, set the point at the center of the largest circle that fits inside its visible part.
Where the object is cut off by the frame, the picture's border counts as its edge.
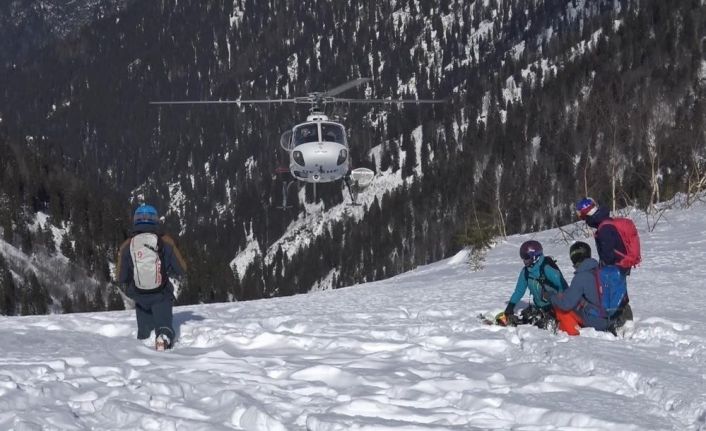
(548, 100)
(404, 353)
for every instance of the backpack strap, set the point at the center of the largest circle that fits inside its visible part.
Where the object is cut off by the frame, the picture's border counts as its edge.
(528, 278)
(612, 222)
(163, 267)
(608, 221)
(542, 279)
(599, 291)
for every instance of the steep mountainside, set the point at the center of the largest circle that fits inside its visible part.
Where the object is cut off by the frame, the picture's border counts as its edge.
(549, 100)
(26, 25)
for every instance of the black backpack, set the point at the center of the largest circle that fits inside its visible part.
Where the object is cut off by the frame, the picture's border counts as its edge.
(543, 280)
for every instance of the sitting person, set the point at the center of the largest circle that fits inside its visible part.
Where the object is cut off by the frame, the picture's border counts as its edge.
(535, 275)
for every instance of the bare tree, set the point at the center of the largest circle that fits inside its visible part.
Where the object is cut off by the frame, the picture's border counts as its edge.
(661, 114)
(696, 181)
(653, 153)
(611, 111)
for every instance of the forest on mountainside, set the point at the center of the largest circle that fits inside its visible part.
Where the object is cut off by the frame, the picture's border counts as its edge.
(548, 101)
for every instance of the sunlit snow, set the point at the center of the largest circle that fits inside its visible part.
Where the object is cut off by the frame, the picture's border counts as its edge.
(407, 353)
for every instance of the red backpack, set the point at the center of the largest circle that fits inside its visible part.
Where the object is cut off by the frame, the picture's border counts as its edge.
(628, 234)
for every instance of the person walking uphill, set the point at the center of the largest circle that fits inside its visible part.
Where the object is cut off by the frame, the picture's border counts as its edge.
(144, 262)
(539, 273)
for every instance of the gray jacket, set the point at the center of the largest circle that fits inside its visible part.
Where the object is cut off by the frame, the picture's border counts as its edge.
(582, 296)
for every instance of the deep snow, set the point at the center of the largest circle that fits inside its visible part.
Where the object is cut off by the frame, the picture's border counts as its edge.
(407, 353)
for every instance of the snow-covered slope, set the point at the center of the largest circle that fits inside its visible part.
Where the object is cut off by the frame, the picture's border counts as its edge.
(64, 17)
(404, 353)
(313, 221)
(54, 270)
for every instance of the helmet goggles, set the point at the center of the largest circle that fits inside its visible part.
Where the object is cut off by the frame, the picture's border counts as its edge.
(531, 257)
(585, 208)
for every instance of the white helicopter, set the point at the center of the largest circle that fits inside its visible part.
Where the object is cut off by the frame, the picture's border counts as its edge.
(318, 148)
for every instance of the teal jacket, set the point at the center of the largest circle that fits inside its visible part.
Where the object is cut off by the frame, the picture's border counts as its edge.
(553, 278)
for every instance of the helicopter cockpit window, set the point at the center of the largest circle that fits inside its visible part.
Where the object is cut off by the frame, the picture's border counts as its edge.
(332, 133)
(306, 133)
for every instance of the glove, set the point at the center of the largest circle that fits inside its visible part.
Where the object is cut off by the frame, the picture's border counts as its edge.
(505, 319)
(510, 309)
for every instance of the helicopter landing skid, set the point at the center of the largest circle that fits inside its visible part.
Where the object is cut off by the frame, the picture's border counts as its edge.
(285, 188)
(353, 190)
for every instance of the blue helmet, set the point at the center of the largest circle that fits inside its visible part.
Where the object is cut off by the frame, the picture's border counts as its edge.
(586, 207)
(145, 214)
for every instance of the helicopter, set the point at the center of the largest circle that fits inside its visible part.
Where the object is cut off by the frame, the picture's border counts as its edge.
(318, 148)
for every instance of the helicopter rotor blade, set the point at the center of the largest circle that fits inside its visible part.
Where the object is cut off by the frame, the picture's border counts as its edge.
(387, 101)
(221, 102)
(343, 87)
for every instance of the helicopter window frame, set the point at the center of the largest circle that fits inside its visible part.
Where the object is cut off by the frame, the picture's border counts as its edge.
(299, 139)
(339, 134)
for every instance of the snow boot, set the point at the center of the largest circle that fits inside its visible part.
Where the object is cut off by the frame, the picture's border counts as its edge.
(162, 343)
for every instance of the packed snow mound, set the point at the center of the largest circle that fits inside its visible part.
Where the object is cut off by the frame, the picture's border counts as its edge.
(407, 353)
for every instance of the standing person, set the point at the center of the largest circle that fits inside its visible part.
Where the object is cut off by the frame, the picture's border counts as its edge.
(539, 272)
(610, 245)
(608, 241)
(580, 305)
(144, 260)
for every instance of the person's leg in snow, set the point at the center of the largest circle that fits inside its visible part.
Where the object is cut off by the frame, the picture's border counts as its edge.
(162, 312)
(622, 323)
(569, 321)
(626, 314)
(145, 321)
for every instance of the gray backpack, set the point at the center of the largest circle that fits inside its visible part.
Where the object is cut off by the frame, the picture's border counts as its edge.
(148, 268)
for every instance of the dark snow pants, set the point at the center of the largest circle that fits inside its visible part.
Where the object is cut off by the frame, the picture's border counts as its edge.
(153, 312)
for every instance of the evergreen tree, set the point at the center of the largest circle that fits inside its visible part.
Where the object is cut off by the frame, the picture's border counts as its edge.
(7, 290)
(67, 305)
(115, 300)
(67, 248)
(35, 298)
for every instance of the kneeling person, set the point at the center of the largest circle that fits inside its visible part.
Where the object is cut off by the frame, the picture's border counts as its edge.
(579, 306)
